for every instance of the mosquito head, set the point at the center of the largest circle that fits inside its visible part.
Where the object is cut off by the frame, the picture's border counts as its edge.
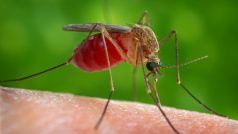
(153, 65)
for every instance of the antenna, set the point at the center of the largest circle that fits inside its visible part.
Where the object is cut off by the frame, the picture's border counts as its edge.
(186, 63)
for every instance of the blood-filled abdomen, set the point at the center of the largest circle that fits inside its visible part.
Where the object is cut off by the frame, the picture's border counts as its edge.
(90, 55)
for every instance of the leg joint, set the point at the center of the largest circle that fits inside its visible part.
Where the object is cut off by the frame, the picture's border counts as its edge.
(178, 82)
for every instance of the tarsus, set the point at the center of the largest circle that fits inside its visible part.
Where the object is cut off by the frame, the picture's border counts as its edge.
(33, 75)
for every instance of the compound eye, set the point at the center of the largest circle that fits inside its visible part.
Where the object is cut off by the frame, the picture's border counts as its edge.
(151, 65)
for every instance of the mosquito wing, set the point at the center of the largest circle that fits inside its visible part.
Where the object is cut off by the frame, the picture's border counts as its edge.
(90, 28)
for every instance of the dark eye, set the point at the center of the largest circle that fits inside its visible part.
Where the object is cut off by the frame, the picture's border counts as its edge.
(151, 65)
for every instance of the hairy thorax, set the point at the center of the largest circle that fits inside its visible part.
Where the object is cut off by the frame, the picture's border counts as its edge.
(142, 36)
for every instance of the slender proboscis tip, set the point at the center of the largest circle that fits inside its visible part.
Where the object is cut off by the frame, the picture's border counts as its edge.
(186, 63)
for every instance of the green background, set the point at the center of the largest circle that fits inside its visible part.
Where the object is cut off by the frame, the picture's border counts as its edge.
(32, 39)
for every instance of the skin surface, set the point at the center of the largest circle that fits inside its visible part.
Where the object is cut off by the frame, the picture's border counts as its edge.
(28, 112)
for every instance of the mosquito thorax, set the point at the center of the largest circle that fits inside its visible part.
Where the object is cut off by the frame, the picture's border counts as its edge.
(147, 39)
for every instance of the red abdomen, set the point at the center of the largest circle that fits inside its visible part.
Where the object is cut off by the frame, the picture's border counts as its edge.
(90, 55)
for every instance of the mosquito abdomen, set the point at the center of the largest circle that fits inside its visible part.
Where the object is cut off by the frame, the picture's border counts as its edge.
(90, 55)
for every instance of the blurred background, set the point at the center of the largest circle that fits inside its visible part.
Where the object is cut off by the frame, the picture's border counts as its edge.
(32, 39)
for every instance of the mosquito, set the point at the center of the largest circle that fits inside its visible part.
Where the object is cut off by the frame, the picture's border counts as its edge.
(108, 45)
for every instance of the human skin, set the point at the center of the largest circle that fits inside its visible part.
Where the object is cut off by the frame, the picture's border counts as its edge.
(36, 112)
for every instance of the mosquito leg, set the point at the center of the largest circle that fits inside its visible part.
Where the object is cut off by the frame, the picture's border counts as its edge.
(111, 84)
(155, 99)
(178, 80)
(134, 75)
(157, 102)
(155, 90)
(35, 74)
(104, 111)
(107, 35)
(119, 49)
(167, 38)
(94, 27)
(133, 92)
(140, 54)
(123, 54)
(90, 33)
(144, 19)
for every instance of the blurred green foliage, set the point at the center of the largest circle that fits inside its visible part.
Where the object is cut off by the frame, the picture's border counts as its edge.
(32, 39)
